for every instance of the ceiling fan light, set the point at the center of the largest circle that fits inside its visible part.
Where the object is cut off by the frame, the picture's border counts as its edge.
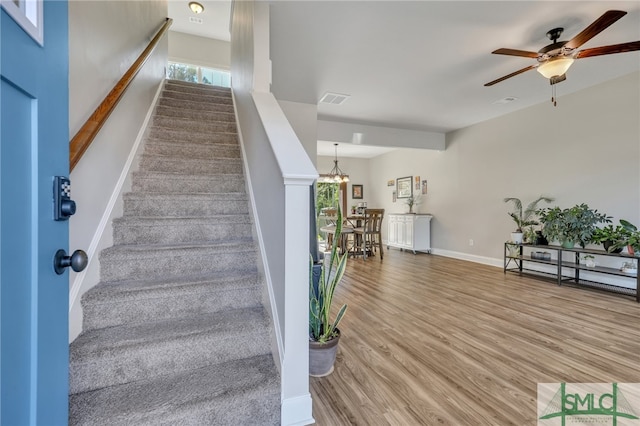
(196, 7)
(555, 67)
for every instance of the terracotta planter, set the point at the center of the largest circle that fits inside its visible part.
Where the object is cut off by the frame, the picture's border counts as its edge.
(322, 356)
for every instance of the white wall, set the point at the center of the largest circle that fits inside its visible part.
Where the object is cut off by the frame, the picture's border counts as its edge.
(587, 149)
(105, 38)
(304, 121)
(202, 51)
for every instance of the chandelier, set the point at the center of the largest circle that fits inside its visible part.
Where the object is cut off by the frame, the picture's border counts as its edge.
(336, 174)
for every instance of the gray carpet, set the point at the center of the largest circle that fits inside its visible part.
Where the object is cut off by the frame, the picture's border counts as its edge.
(175, 333)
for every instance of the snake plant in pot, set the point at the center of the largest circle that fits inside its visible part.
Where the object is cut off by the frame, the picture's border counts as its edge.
(324, 334)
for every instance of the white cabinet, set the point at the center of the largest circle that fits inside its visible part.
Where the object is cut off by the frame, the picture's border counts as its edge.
(409, 231)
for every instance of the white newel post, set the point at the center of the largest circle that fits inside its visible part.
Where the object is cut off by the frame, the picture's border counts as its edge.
(296, 399)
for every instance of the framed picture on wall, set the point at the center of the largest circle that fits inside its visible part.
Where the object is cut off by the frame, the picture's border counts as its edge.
(356, 192)
(393, 197)
(416, 181)
(404, 187)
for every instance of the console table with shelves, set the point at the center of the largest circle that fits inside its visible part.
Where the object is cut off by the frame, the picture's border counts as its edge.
(515, 258)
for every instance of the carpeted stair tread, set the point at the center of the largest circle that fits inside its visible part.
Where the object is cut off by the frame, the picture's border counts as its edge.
(153, 260)
(195, 105)
(167, 111)
(134, 351)
(176, 183)
(228, 219)
(114, 339)
(129, 230)
(190, 150)
(171, 205)
(115, 303)
(117, 291)
(190, 166)
(179, 136)
(191, 125)
(189, 87)
(241, 392)
(212, 98)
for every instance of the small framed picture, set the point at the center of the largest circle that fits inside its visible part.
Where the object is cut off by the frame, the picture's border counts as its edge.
(404, 186)
(356, 192)
(391, 182)
(393, 197)
(424, 187)
(416, 181)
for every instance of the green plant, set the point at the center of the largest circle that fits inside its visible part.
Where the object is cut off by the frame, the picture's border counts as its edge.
(611, 237)
(413, 200)
(530, 235)
(321, 328)
(630, 236)
(524, 218)
(571, 225)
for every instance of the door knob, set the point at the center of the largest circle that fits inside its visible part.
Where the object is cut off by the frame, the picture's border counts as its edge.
(78, 261)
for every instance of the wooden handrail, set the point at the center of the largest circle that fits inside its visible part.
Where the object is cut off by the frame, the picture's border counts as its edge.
(90, 129)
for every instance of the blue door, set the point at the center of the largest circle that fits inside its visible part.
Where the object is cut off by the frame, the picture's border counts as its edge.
(34, 139)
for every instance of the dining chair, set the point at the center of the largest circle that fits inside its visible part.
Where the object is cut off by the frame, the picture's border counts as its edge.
(329, 228)
(368, 237)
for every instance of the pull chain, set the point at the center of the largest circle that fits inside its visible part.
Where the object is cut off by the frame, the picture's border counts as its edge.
(553, 95)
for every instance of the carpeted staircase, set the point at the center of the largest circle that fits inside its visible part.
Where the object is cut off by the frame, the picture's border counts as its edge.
(175, 332)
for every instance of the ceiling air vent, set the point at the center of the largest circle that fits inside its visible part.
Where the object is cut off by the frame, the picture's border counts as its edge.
(195, 20)
(333, 98)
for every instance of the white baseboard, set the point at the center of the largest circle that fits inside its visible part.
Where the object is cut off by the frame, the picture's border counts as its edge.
(79, 285)
(295, 411)
(469, 257)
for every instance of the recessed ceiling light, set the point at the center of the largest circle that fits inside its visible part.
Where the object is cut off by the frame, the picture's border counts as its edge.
(196, 7)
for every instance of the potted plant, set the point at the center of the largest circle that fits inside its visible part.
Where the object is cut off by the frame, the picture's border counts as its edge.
(630, 239)
(324, 334)
(589, 260)
(612, 239)
(571, 225)
(413, 200)
(523, 218)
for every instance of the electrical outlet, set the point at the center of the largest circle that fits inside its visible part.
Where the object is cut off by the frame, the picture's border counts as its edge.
(470, 242)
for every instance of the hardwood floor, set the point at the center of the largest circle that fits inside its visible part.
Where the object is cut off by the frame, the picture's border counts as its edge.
(429, 340)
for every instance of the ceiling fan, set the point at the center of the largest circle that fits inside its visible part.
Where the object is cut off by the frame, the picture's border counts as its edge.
(555, 59)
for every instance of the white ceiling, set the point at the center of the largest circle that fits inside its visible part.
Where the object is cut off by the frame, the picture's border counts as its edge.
(422, 65)
(215, 18)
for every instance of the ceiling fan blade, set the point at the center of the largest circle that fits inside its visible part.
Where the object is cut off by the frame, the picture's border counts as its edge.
(491, 83)
(599, 25)
(515, 52)
(608, 50)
